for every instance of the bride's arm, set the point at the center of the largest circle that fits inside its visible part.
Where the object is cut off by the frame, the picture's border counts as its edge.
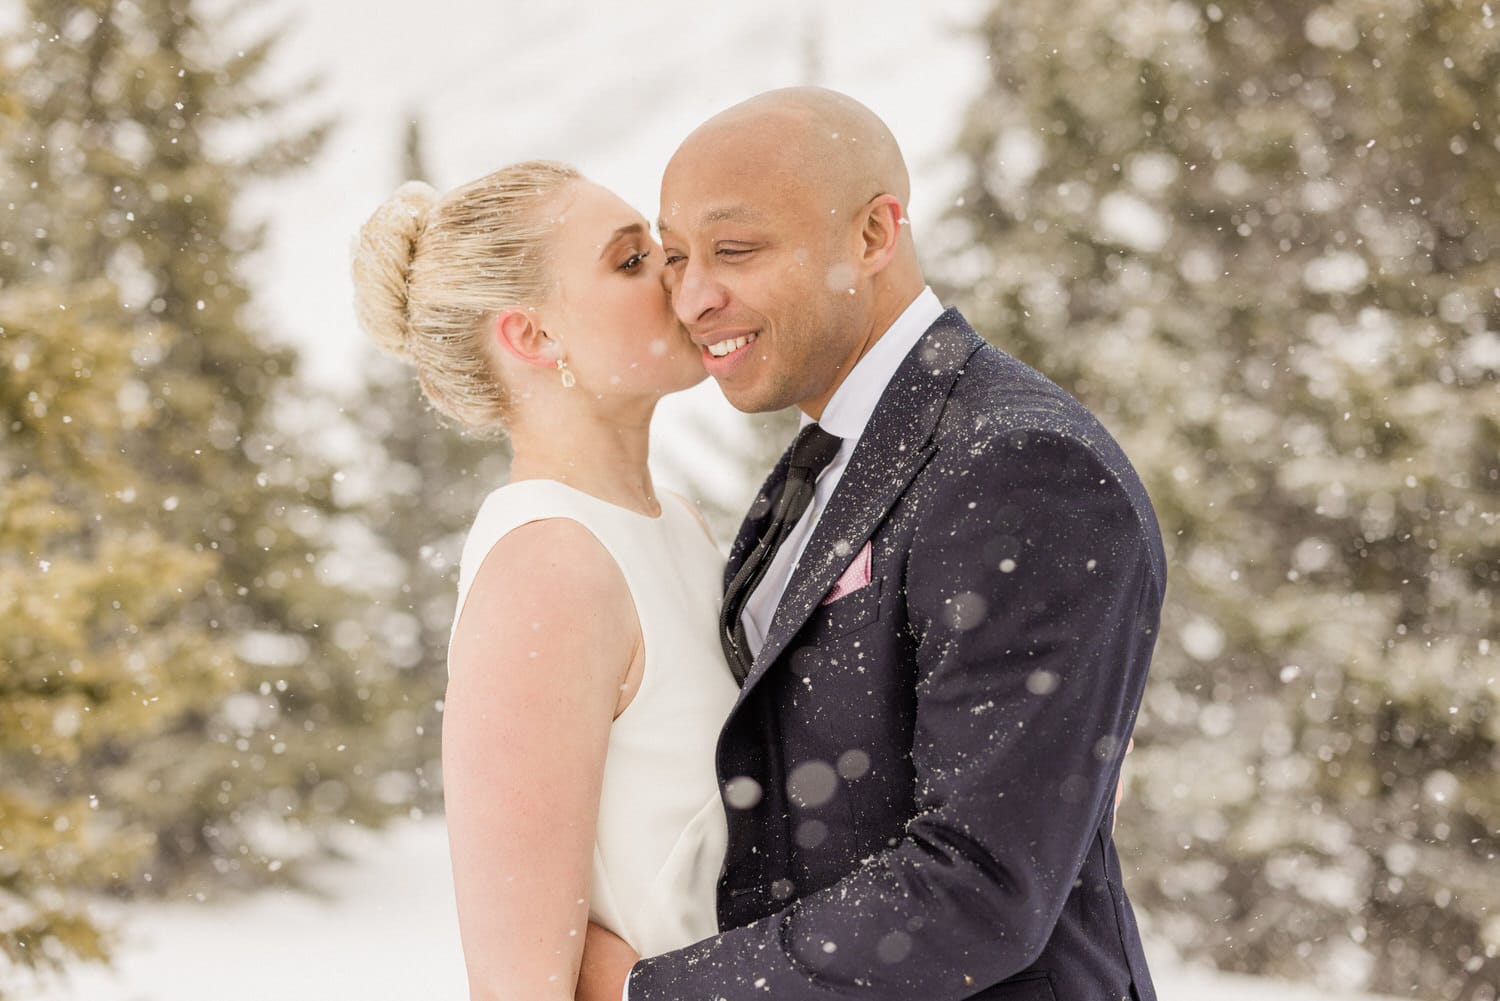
(538, 668)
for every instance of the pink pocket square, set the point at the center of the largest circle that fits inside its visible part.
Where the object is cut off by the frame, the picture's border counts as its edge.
(852, 579)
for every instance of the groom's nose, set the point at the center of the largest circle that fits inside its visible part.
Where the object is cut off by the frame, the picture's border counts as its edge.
(696, 295)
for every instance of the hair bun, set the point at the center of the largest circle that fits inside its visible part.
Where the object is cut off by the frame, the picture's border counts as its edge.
(382, 267)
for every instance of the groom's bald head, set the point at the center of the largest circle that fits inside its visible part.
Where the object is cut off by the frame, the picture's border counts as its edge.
(784, 220)
(831, 144)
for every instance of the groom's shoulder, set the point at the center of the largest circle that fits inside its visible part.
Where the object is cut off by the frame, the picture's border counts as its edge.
(1001, 411)
(997, 394)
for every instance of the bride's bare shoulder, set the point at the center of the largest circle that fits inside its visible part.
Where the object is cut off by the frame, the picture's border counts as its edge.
(545, 584)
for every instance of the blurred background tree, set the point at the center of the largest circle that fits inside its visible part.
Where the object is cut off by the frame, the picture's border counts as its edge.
(197, 683)
(1262, 241)
(417, 483)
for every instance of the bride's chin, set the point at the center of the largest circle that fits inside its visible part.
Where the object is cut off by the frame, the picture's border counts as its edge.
(687, 381)
(693, 373)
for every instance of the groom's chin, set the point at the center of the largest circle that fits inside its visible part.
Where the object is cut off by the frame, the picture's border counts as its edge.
(747, 399)
(754, 389)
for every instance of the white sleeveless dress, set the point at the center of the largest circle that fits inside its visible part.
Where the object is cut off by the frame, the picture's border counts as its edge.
(662, 833)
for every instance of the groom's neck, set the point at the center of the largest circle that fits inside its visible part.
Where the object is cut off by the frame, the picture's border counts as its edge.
(890, 301)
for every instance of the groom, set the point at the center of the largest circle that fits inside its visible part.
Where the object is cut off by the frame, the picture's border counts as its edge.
(941, 607)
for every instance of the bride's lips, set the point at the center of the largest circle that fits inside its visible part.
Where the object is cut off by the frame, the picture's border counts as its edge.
(726, 350)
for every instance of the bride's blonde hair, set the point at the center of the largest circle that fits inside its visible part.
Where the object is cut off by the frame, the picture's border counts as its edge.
(429, 270)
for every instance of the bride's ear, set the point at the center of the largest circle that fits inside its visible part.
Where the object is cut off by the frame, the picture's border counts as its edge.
(518, 333)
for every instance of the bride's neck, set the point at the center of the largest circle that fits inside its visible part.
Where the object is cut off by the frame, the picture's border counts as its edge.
(601, 454)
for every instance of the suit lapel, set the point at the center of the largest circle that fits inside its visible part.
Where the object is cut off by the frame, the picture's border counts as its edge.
(895, 445)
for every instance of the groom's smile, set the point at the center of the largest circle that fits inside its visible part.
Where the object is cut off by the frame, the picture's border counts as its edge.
(729, 345)
(724, 352)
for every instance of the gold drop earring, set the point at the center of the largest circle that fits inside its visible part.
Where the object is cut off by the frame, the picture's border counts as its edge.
(568, 379)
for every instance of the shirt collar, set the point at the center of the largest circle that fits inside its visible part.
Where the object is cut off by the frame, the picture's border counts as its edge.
(852, 404)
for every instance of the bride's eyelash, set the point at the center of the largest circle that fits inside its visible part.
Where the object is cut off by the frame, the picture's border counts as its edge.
(634, 260)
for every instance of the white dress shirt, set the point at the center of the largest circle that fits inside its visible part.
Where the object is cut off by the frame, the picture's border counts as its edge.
(846, 415)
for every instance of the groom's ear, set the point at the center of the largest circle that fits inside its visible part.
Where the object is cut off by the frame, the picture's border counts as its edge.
(518, 332)
(881, 232)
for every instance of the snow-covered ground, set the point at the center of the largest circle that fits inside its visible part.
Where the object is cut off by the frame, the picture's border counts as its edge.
(383, 928)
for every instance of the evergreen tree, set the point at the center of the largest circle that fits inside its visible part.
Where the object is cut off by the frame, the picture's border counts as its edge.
(414, 151)
(194, 676)
(419, 490)
(97, 647)
(1262, 241)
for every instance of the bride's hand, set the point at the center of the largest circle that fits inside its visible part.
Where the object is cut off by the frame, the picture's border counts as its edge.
(607, 959)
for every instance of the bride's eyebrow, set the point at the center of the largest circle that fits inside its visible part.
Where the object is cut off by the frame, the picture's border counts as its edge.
(634, 229)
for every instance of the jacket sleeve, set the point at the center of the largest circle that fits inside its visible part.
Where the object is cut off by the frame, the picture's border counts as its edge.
(1033, 591)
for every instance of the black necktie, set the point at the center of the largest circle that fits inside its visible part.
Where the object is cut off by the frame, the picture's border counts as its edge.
(813, 450)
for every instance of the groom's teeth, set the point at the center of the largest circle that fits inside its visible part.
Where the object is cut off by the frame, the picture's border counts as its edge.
(723, 348)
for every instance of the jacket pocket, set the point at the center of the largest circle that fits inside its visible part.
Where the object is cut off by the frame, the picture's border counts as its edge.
(853, 611)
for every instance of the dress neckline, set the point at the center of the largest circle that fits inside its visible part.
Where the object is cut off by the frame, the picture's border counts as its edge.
(597, 500)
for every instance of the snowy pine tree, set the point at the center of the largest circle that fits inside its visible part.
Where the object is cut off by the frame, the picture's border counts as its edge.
(98, 647)
(195, 688)
(1262, 241)
(421, 482)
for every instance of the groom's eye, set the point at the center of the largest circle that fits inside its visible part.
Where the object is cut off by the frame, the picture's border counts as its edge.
(673, 257)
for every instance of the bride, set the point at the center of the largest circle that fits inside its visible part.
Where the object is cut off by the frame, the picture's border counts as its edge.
(586, 684)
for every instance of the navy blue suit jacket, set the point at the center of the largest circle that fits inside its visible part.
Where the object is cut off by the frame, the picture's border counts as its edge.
(920, 775)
